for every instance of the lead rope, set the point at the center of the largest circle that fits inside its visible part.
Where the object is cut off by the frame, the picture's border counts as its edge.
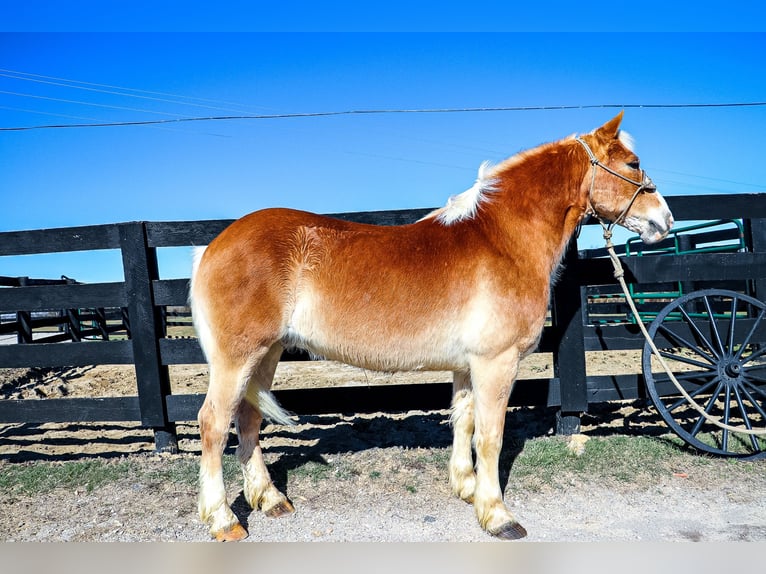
(619, 274)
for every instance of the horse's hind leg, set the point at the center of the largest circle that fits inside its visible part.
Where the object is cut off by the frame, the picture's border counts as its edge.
(462, 477)
(223, 397)
(492, 380)
(259, 490)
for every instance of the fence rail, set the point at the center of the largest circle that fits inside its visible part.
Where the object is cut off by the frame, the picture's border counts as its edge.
(143, 297)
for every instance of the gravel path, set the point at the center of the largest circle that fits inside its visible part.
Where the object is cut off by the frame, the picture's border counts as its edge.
(381, 480)
(340, 511)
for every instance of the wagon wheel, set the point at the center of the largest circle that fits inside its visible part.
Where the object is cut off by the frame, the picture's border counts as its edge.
(715, 343)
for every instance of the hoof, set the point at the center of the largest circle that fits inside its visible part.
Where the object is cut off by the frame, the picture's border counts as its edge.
(232, 534)
(280, 509)
(510, 531)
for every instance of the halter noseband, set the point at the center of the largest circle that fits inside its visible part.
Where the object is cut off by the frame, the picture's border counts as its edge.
(646, 184)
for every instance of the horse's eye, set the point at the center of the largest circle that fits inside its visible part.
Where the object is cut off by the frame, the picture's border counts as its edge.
(633, 164)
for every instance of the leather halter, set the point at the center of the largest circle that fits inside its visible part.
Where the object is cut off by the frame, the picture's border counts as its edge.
(646, 184)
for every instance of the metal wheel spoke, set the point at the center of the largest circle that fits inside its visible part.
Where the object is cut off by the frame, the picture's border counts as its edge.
(742, 409)
(749, 337)
(753, 400)
(682, 401)
(697, 330)
(688, 361)
(755, 388)
(726, 418)
(708, 407)
(746, 419)
(684, 343)
(758, 378)
(688, 377)
(714, 326)
(730, 341)
(756, 355)
(757, 371)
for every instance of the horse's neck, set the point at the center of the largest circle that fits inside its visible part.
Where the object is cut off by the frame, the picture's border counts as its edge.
(539, 204)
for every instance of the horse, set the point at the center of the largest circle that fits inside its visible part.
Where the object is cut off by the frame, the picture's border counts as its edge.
(465, 289)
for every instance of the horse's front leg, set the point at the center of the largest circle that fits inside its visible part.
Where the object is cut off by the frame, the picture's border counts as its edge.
(462, 477)
(492, 381)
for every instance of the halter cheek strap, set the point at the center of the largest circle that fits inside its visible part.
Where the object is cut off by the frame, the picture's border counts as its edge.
(646, 184)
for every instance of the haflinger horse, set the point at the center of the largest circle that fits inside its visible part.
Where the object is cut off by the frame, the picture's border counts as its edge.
(465, 289)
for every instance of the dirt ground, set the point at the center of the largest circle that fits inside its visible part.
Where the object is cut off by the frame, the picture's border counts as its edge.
(359, 478)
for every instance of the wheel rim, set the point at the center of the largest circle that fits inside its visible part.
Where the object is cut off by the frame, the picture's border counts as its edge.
(715, 343)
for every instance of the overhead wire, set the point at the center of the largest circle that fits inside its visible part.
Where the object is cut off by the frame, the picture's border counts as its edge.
(124, 91)
(91, 104)
(380, 112)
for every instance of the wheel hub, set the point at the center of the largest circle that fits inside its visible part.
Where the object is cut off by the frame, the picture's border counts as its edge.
(730, 371)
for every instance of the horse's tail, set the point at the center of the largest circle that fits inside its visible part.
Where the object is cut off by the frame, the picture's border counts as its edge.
(265, 402)
(198, 307)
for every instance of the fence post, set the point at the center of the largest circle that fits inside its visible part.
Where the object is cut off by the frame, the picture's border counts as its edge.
(569, 345)
(140, 265)
(756, 238)
(23, 319)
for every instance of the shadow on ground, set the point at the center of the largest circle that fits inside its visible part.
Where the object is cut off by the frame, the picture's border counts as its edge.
(316, 436)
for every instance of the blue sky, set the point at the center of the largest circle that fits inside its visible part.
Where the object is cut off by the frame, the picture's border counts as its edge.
(225, 169)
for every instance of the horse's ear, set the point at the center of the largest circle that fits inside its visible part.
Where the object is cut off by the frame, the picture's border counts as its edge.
(611, 128)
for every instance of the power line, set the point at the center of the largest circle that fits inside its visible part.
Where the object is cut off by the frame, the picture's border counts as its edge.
(704, 177)
(383, 111)
(120, 91)
(81, 103)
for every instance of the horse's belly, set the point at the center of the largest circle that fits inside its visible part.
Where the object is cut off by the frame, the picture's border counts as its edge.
(364, 336)
(436, 336)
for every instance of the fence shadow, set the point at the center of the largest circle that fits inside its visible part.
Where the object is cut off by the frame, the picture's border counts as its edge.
(313, 438)
(318, 436)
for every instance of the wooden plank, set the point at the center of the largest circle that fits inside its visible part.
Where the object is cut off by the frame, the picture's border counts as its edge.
(186, 351)
(604, 388)
(70, 410)
(714, 206)
(392, 217)
(628, 336)
(171, 291)
(187, 233)
(59, 240)
(620, 337)
(66, 354)
(181, 352)
(56, 297)
(184, 233)
(699, 267)
(659, 269)
(742, 329)
(386, 398)
(373, 399)
(717, 206)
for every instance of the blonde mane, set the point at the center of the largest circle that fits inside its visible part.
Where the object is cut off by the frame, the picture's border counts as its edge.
(464, 205)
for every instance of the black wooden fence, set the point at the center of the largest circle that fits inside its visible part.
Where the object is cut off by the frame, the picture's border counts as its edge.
(144, 296)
